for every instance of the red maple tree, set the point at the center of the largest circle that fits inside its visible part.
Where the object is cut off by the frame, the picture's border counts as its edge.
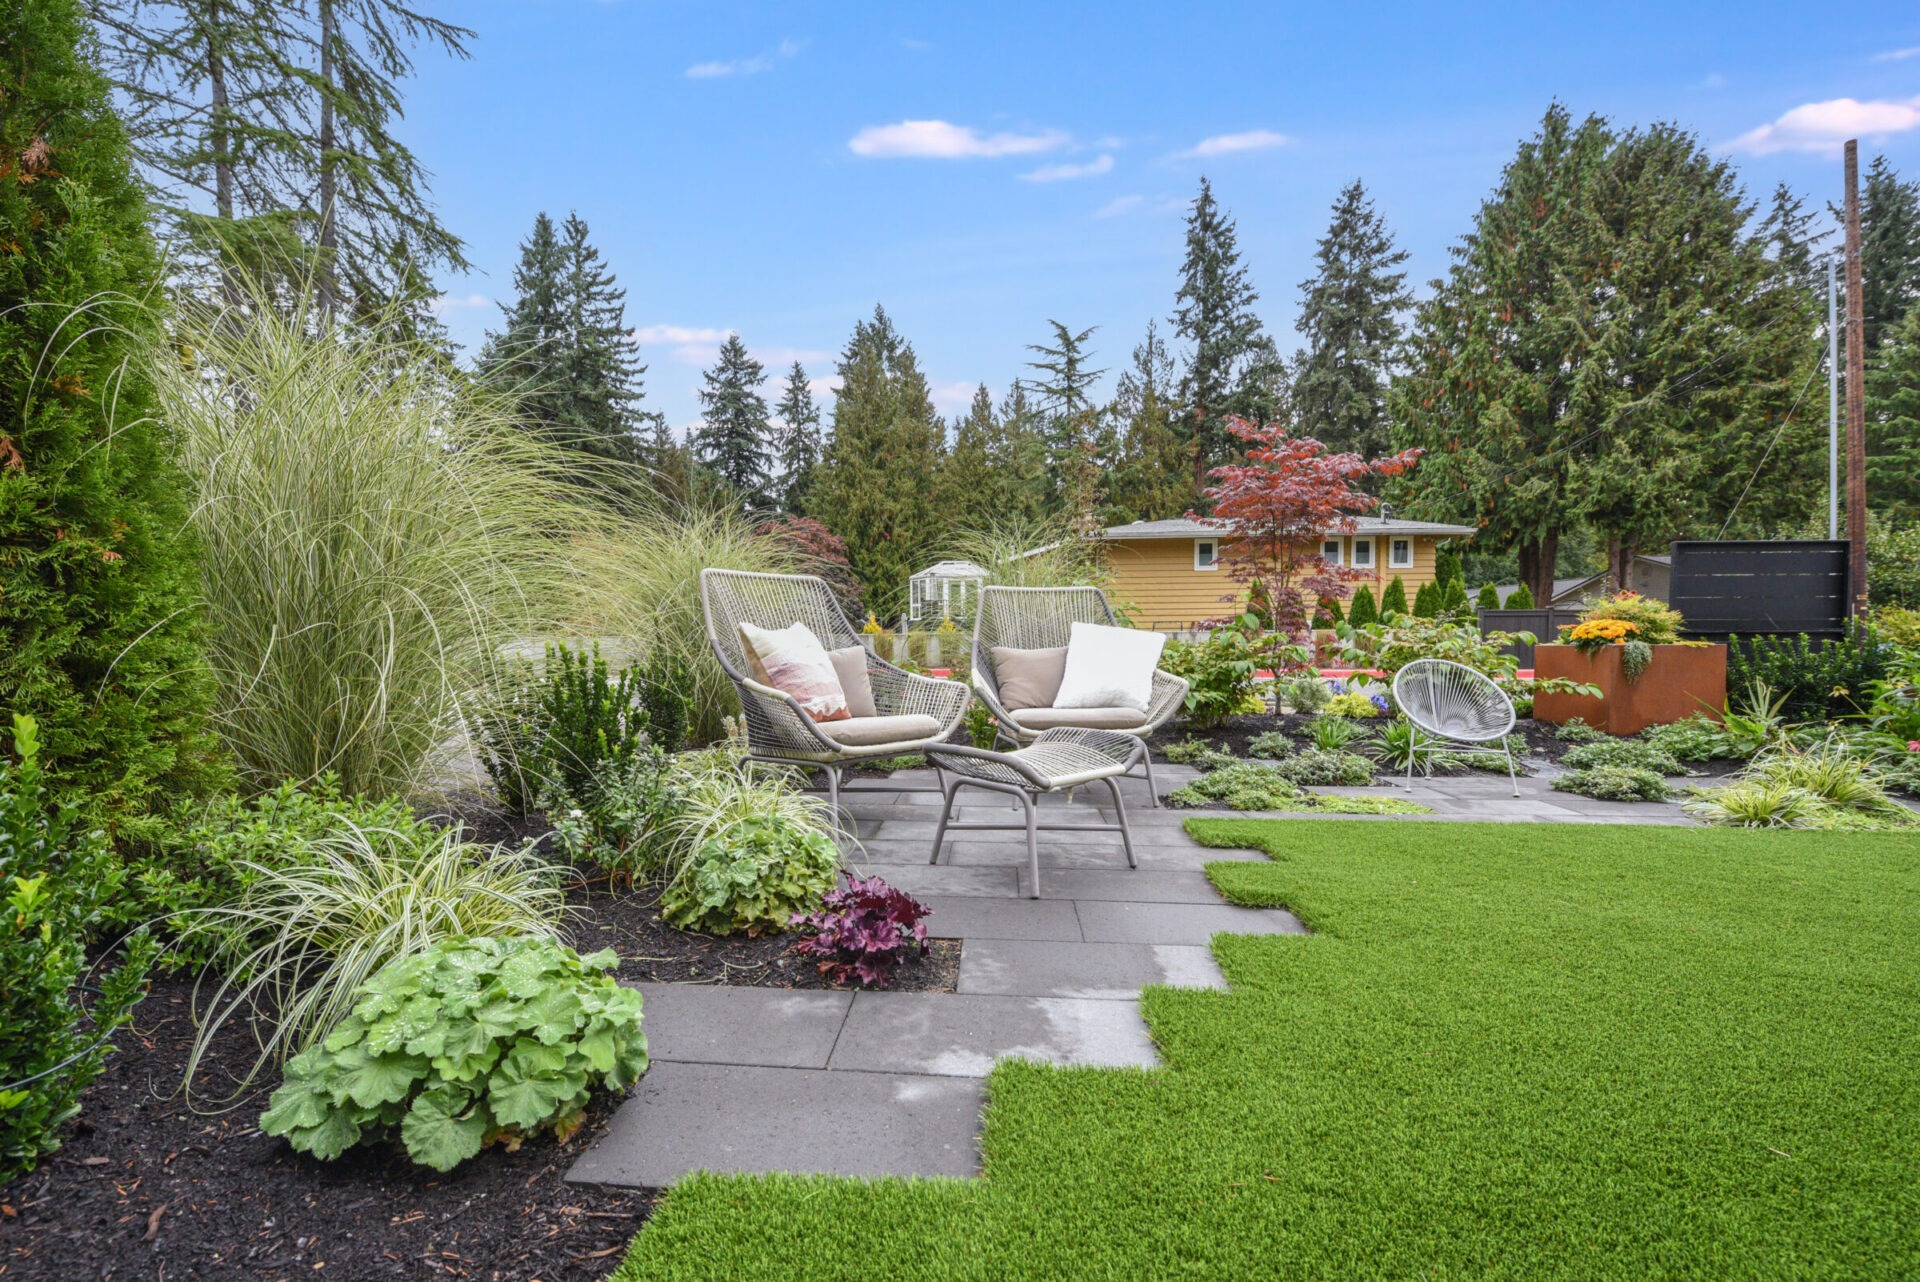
(1277, 506)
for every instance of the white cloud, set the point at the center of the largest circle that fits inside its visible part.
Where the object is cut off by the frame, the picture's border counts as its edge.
(1119, 205)
(1823, 126)
(939, 140)
(824, 387)
(1714, 80)
(779, 360)
(686, 344)
(1897, 55)
(1230, 144)
(1066, 173)
(446, 303)
(745, 66)
(951, 396)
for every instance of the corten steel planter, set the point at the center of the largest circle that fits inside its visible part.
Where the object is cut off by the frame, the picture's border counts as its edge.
(1681, 680)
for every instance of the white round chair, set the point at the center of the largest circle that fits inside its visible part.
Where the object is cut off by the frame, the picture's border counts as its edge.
(1452, 706)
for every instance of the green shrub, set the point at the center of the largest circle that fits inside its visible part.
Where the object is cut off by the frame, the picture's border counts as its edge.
(1521, 598)
(1350, 705)
(1814, 681)
(982, 730)
(1305, 693)
(1426, 601)
(561, 729)
(304, 937)
(663, 681)
(97, 582)
(1489, 598)
(1220, 673)
(209, 853)
(1453, 599)
(1331, 732)
(1197, 752)
(1893, 563)
(1317, 767)
(468, 1043)
(622, 825)
(1637, 753)
(1394, 600)
(1695, 738)
(1576, 730)
(1400, 745)
(1270, 744)
(1616, 783)
(1336, 615)
(1756, 803)
(1446, 567)
(754, 876)
(1363, 610)
(56, 879)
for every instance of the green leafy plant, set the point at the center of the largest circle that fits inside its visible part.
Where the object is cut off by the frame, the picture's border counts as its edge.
(1270, 744)
(1364, 611)
(577, 722)
(1756, 803)
(1616, 783)
(1220, 673)
(1399, 745)
(756, 875)
(1637, 753)
(663, 678)
(1394, 600)
(1255, 786)
(1813, 680)
(1306, 694)
(56, 879)
(1695, 738)
(1576, 730)
(1352, 704)
(1521, 598)
(622, 824)
(1489, 598)
(1333, 731)
(469, 1043)
(1318, 767)
(304, 936)
(982, 730)
(1755, 718)
(1197, 752)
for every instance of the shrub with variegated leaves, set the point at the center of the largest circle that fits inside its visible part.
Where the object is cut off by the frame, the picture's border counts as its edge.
(471, 1043)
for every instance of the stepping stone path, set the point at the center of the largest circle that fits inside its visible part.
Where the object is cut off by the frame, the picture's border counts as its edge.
(878, 1083)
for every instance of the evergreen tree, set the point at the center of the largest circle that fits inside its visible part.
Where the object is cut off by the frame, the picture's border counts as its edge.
(1453, 598)
(881, 463)
(1426, 601)
(1363, 611)
(1521, 598)
(1070, 424)
(797, 443)
(1394, 599)
(98, 582)
(1893, 422)
(1230, 371)
(732, 442)
(566, 350)
(1788, 232)
(1446, 566)
(670, 465)
(1152, 477)
(1489, 598)
(1332, 607)
(1889, 250)
(1020, 454)
(979, 486)
(1350, 317)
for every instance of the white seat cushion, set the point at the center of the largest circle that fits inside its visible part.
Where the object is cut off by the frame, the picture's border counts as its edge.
(1081, 718)
(868, 732)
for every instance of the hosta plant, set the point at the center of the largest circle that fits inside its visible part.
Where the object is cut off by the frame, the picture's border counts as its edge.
(471, 1043)
(753, 876)
(863, 932)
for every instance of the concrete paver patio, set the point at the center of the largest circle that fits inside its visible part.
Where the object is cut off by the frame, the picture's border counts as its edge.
(880, 1083)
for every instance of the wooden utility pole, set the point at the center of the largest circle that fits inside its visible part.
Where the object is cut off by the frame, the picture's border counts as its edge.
(1856, 393)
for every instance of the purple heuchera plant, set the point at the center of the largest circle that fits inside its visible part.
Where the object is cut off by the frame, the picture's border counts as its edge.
(864, 931)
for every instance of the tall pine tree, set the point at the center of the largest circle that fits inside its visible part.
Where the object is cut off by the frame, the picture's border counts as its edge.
(1152, 478)
(98, 582)
(881, 463)
(1893, 422)
(566, 351)
(731, 442)
(1789, 232)
(1230, 371)
(1350, 317)
(1071, 424)
(1889, 250)
(797, 443)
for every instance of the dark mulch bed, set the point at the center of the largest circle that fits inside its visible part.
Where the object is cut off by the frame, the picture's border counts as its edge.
(147, 1188)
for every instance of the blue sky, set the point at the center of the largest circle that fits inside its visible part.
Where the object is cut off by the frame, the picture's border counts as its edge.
(777, 169)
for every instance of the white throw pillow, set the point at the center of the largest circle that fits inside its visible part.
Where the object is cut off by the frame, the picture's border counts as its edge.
(1109, 668)
(794, 662)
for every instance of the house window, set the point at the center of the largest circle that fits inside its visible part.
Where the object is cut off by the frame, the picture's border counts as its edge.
(1400, 554)
(1363, 554)
(1330, 551)
(1206, 554)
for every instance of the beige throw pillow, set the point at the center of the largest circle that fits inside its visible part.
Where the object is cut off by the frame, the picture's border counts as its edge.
(1029, 678)
(793, 661)
(850, 665)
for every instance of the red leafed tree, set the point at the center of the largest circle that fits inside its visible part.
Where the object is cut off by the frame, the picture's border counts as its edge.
(1277, 505)
(823, 553)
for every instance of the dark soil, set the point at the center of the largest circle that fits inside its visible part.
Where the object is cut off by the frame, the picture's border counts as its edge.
(145, 1187)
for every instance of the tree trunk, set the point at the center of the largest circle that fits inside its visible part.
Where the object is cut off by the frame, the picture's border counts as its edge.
(328, 281)
(222, 140)
(1536, 567)
(1620, 558)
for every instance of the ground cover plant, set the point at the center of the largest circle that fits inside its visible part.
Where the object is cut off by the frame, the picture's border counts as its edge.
(863, 932)
(1253, 785)
(1594, 1053)
(470, 1043)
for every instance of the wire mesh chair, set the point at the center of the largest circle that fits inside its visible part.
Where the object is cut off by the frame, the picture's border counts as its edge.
(1453, 706)
(1042, 619)
(926, 710)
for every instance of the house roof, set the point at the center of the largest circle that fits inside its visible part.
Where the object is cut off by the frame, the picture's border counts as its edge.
(1182, 528)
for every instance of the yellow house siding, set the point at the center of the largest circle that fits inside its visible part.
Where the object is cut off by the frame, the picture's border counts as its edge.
(1156, 581)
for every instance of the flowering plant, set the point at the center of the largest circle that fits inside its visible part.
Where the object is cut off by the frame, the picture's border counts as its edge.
(864, 931)
(1597, 634)
(1653, 622)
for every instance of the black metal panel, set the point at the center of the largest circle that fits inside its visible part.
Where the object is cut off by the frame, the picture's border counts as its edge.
(1544, 622)
(1752, 586)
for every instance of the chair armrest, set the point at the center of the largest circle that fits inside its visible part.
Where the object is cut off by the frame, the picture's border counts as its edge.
(781, 715)
(896, 691)
(1169, 696)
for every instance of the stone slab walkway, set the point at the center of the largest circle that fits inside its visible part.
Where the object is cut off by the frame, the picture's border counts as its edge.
(875, 1083)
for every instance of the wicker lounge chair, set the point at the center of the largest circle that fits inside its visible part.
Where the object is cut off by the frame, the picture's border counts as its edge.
(913, 711)
(1452, 706)
(1043, 618)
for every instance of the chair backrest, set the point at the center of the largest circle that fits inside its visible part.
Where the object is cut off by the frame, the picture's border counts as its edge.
(732, 597)
(1031, 619)
(1452, 700)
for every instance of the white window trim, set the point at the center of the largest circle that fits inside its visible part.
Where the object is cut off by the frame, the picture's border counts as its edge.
(1213, 563)
(1393, 557)
(1337, 558)
(1371, 563)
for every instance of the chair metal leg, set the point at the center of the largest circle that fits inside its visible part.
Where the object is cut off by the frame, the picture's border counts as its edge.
(948, 793)
(1513, 777)
(1413, 752)
(1033, 844)
(833, 790)
(1120, 818)
(1153, 788)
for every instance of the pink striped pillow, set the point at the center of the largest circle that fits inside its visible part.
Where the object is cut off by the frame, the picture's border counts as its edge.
(793, 661)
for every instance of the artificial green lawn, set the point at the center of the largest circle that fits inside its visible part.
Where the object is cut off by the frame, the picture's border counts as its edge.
(1512, 1051)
